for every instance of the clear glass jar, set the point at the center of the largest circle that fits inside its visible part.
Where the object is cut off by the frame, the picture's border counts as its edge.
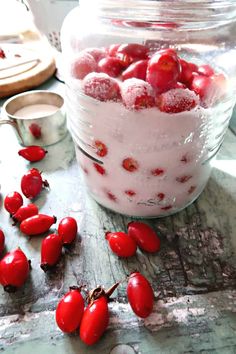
(147, 123)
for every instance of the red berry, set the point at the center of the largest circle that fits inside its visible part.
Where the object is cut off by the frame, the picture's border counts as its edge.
(140, 295)
(133, 50)
(2, 241)
(169, 51)
(157, 172)
(82, 65)
(37, 224)
(137, 70)
(112, 50)
(14, 270)
(2, 54)
(130, 193)
(130, 164)
(70, 310)
(111, 196)
(205, 70)
(191, 189)
(99, 168)
(163, 71)
(201, 85)
(12, 202)
(67, 229)
(183, 179)
(145, 237)
(25, 212)
(97, 53)
(35, 130)
(187, 70)
(101, 87)
(32, 153)
(96, 315)
(121, 244)
(51, 248)
(177, 100)
(137, 94)
(111, 66)
(101, 149)
(161, 196)
(32, 183)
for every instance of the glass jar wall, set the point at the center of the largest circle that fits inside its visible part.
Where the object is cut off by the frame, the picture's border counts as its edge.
(150, 91)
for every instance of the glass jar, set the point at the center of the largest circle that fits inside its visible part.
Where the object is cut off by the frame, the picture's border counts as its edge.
(150, 92)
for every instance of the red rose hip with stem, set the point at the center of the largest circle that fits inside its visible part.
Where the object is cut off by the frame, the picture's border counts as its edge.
(37, 224)
(96, 315)
(14, 270)
(67, 229)
(24, 212)
(137, 70)
(33, 153)
(70, 310)
(12, 202)
(2, 241)
(32, 183)
(145, 237)
(140, 295)
(51, 249)
(121, 244)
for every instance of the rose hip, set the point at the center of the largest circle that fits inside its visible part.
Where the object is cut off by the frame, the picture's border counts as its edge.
(101, 170)
(96, 315)
(14, 270)
(163, 71)
(101, 148)
(101, 87)
(130, 164)
(37, 224)
(145, 237)
(177, 100)
(97, 53)
(111, 66)
(12, 202)
(2, 241)
(140, 295)
(137, 94)
(112, 50)
(133, 50)
(32, 183)
(51, 249)
(70, 310)
(187, 70)
(2, 54)
(121, 244)
(67, 229)
(25, 212)
(82, 65)
(137, 70)
(32, 153)
(205, 70)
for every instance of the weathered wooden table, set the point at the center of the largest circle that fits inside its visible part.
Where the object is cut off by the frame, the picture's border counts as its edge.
(194, 274)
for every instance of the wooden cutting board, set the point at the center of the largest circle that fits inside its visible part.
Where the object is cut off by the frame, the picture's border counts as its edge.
(24, 68)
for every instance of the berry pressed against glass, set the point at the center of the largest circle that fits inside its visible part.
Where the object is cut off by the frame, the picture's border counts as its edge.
(101, 148)
(101, 170)
(130, 164)
(82, 65)
(157, 171)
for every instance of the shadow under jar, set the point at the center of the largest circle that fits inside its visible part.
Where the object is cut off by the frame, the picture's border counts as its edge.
(150, 92)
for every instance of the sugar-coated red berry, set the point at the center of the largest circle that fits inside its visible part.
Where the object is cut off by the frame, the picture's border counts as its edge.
(67, 229)
(82, 65)
(121, 244)
(101, 87)
(37, 224)
(25, 212)
(145, 237)
(32, 153)
(163, 71)
(70, 310)
(97, 53)
(12, 202)
(14, 270)
(2, 241)
(51, 249)
(130, 164)
(205, 70)
(111, 66)
(140, 295)
(136, 70)
(177, 100)
(137, 94)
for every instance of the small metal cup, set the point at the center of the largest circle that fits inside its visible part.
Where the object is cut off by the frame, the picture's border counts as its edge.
(42, 131)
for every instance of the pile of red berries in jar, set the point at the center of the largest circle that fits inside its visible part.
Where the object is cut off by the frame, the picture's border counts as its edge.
(146, 117)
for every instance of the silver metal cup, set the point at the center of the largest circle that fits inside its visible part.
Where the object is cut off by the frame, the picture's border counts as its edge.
(42, 131)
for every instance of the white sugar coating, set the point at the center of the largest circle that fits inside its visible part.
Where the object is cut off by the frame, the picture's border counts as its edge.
(180, 95)
(100, 86)
(133, 88)
(97, 53)
(82, 64)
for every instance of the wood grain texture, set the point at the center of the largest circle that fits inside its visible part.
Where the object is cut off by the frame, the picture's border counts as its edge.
(194, 274)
